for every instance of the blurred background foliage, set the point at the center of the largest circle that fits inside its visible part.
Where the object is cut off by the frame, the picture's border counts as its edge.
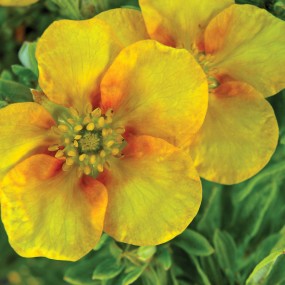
(238, 235)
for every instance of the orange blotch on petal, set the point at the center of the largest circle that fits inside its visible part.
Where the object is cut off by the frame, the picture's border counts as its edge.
(51, 213)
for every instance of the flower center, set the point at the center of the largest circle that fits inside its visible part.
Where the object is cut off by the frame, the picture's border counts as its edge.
(89, 141)
(205, 62)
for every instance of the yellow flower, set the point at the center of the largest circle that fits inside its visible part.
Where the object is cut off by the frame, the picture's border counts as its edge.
(17, 2)
(237, 46)
(98, 152)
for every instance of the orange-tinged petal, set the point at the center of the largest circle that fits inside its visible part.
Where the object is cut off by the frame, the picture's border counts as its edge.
(154, 192)
(72, 56)
(127, 24)
(247, 44)
(179, 23)
(23, 129)
(156, 90)
(47, 212)
(238, 137)
(17, 2)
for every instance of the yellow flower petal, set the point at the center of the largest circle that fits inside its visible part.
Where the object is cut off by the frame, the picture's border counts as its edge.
(17, 2)
(247, 44)
(50, 213)
(238, 137)
(179, 23)
(23, 129)
(72, 57)
(127, 24)
(156, 90)
(154, 193)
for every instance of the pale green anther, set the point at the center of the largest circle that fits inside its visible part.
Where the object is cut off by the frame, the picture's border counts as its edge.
(213, 82)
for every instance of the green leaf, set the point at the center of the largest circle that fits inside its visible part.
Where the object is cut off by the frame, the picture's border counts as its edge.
(193, 243)
(131, 7)
(225, 250)
(259, 3)
(245, 189)
(114, 249)
(211, 217)
(263, 270)
(81, 272)
(277, 274)
(252, 256)
(107, 269)
(3, 104)
(163, 257)
(131, 276)
(281, 241)
(121, 3)
(279, 9)
(173, 277)
(146, 252)
(108, 245)
(202, 274)
(13, 92)
(27, 56)
(253, 199)
(69, 9)
(152, 277)
(103, 240)
(25, 75)
(265, 247)
(90, 8)
(214, 274)
(6, 75)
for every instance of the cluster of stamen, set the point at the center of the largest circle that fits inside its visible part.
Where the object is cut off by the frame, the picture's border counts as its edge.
(88, 141)
(205, 61)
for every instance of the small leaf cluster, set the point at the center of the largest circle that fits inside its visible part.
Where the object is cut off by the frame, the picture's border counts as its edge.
(113, 263)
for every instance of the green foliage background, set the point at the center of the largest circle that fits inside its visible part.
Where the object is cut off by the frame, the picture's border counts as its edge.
(238, 236)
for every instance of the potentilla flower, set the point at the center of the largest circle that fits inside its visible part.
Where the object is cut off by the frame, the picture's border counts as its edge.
(17, 2)
(239, 47)
(96, 152)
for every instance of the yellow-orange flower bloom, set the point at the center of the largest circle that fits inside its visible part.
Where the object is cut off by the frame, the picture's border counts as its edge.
(17, 2)
(98, 152)
(238, 46)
